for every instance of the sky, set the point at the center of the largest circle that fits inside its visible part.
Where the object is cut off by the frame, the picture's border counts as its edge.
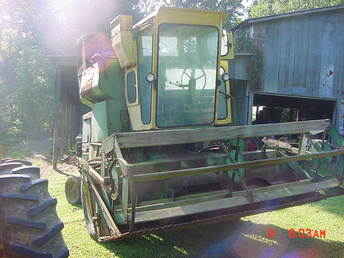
(246, 4)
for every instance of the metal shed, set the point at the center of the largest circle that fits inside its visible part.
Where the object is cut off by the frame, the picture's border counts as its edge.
(302, 65)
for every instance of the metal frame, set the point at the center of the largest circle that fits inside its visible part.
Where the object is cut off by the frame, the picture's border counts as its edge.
(212, 201)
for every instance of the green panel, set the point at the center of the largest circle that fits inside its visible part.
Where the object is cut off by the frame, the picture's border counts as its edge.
(109, 115)
(240, 102)
(111, 79)
(234, 157)
(116, 106)
(131, 86)
(99, 122)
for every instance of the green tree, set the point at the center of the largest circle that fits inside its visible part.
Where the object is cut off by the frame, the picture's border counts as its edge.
(233, 8)
(271, 7)
(31, 32)
(25, 73)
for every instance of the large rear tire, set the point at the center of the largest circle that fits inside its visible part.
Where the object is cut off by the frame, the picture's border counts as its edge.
(29, 225)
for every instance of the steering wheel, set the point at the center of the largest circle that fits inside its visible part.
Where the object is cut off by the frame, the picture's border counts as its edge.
(190, 73)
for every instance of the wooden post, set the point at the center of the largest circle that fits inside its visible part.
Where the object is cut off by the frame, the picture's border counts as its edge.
(56, 116)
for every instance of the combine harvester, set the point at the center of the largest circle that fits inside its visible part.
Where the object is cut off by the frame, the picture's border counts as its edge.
(160, 148)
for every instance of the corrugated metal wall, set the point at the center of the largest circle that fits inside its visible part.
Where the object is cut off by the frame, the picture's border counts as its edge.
(302, 55)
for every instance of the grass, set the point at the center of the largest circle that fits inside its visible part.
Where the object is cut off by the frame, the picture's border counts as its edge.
(246, 238)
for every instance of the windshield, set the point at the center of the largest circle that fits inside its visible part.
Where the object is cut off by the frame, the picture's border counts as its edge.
(186, 74)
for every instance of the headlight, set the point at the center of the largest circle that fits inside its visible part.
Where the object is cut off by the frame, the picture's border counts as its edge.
(150, 77)
(225, 77)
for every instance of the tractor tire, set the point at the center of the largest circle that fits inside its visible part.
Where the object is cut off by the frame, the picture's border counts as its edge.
(29, 225)
(88, 206)
(72, 190)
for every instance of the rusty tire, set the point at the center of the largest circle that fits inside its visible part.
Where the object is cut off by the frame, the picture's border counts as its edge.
(29, 225)
(73, 190)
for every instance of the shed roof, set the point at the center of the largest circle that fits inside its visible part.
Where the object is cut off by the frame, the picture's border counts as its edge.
(290, 14)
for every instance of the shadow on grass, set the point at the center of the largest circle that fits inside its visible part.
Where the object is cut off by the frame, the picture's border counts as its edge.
(333, 205)
(240, 239)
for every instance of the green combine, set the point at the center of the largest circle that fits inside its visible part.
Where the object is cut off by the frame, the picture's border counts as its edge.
(161, 149)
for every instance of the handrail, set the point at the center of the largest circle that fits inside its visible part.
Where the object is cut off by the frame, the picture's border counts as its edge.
(193, 135)
(218, 168)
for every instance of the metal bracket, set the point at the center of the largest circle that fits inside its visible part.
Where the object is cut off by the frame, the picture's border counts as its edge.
(133, 198)
(95, 220)
(107, 180)
(249, 192)
(105, 212)
(230, 182)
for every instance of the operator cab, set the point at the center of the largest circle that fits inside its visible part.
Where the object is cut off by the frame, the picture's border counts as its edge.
(187, 71)
(175, 78)
(169, 70)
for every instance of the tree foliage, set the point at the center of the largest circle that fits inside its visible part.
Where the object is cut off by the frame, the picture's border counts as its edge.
(29, 29)
(233, 8)
(271, 7)
(26, 78)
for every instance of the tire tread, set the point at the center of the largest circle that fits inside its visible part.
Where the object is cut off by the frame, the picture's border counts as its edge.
(28, 252)
(27, 186)
(26, 223)
(39, 241)
(25, 197)
(38, 236)
(34, 211)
